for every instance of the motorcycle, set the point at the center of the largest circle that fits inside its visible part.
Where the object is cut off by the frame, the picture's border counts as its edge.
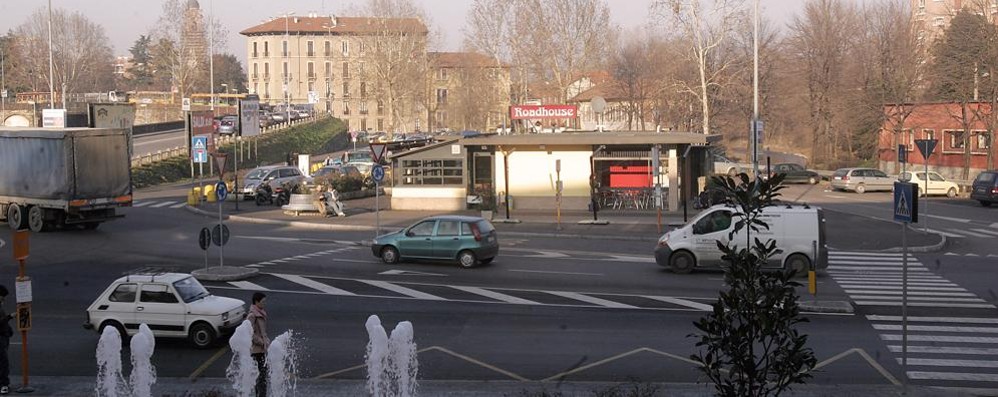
(279, 196)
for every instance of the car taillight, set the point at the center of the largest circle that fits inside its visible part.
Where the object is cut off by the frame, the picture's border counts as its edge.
(476, 232)
(994, 191)
(845, 177)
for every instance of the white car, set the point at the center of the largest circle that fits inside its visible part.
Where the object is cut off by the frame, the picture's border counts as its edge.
(172, 305)
(724, 166)
(937, 185)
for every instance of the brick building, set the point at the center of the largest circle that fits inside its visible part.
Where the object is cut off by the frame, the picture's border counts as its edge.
(944, 122)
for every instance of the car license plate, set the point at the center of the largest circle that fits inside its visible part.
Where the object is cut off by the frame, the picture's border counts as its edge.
(491, 239)
(838, 178)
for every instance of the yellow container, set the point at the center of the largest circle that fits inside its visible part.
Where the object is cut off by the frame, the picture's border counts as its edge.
(209, 193)
(193, 196)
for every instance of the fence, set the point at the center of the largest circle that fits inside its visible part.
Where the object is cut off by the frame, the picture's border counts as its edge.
(181, 151)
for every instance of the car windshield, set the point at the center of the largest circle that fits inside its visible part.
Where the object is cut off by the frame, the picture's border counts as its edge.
(190, 289)
(257, 174)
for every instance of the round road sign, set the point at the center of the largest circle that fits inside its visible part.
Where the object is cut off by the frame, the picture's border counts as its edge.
(221, 191)
(220, 235)
(378, 173)
(204, 238)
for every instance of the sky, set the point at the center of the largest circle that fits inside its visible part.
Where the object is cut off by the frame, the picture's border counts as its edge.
(125, 20)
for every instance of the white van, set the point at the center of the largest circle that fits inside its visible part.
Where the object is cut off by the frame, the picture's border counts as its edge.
(799, 231)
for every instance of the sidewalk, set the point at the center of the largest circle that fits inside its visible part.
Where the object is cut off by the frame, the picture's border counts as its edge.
(217, 387)
(847, 232)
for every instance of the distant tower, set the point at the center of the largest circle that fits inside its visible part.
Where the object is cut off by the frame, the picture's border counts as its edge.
(194, 43)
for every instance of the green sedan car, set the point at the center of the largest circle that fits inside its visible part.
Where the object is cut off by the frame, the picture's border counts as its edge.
(468, 240)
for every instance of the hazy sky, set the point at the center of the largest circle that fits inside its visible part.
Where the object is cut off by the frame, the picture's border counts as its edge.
(125, 20)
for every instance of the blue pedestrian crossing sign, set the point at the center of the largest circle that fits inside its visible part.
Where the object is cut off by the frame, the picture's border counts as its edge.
(199, 149)
(221, 191)
(905, 202)
(378, 173)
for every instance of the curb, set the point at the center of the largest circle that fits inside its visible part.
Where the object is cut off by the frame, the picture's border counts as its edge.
(224, 273)
(844, 307)
(919, 249)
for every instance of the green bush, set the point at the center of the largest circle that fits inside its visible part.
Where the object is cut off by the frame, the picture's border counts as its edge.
(347, 184)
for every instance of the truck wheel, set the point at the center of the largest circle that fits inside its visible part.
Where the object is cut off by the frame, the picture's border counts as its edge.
(17, 218)
(682, 262)
(36, 219)
(90, 226)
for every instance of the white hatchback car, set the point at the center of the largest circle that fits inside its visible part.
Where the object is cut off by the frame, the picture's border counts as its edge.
(171, 304)
(937, 185)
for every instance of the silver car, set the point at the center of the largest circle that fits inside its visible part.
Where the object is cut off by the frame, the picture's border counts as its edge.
(861, 180)
(273, 175)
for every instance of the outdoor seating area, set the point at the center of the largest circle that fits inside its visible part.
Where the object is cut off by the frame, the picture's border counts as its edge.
(629, 198)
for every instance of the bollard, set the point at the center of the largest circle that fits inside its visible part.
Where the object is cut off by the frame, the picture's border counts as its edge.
(209, 193)
(193, 196)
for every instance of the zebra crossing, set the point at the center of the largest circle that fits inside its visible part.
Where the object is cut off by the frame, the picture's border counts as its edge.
(353, 287)
(305, 256)
(164, 203)
(947, 351)
(976, 232)
(874, 279)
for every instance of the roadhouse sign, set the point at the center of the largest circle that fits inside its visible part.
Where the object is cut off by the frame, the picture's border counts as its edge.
(520, 112)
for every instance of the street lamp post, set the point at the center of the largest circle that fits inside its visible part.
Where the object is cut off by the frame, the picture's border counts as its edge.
(755, 90)
(51, 68)
(211, 55)
(287, 72)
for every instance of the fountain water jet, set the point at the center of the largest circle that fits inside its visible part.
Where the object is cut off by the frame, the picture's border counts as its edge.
(143, 374)
(109, 380)
(242, 370)
(391, 362)
(402, 355)
(282, 362)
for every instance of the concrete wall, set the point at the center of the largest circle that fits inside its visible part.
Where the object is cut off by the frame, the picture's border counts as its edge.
(429, 198)
(532, 177)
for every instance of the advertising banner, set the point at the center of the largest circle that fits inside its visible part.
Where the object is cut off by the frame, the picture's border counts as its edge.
(249, 116)
(532, 112)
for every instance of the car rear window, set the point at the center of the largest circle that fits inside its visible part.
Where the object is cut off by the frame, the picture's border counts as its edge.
(985, 177)
(485, 226)
(124, 293)
(841, 173)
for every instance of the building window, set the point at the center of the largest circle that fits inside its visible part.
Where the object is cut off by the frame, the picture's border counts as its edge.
(363, 89)
(928, 133)
(346, 70)
(284, 46)
(938, 21)
(440, 119)
(909, 138)
(432, 172)
(381, 109)
(381, 124)
(363, 107)
(255, 75)
(362, 48)
(310, 48)
(346, 107)
(255, 88)
(441, 96)
(954, 139)
(441, 74)
(346, 89)
(266, 49)
(254, 50)
(329, 70)
(311, 86)
(311, 71)
(363, 122)
(982, 140)
(346, 48)
(266, 90)
(329, 88)
(328, 49)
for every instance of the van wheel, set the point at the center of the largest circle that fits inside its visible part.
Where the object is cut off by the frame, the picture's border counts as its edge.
(202, 335)
(951, 192)
(36, 219)
(17, 217)
(682, 262)
(390, 255)
(467, 259)
(798, 264)
(860, 188)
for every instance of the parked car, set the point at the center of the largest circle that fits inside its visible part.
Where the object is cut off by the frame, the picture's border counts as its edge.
(795, 173)
(273, 175)
(363, 166)
(277, 117)
(985, 188)
(724, 166)
(227, 125)
(337, 171)
(799, 231)
(172, 305)
(937, 185)
(304, 114)
(861, 180)
(468, 240)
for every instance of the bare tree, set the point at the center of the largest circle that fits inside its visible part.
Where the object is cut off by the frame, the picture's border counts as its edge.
(490, 31)
(705, 25)
(82, 58)
(634, 79)
(183, 39)
(394, 58)
(820, 41)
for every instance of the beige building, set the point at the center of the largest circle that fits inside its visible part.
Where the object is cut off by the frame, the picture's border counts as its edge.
(320, 60)
(933, 16)
(468, 91)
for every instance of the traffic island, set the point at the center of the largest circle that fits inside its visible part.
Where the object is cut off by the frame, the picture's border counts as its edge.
(819, 306)
(224, 273)
(594, 222)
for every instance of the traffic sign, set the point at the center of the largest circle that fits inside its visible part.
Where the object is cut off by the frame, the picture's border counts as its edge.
(378, 173)
(378, 151)
(199, 148)
(23, 316)
(21, 248)
(22, 289)
(926, 146)
(185, 104)
(221, 191)
(204, 238)
(220, 235)
(905, 202)
(220, 162)
(903, 154)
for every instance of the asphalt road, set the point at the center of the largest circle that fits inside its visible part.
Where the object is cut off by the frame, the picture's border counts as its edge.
(546, 309)
(160, 141)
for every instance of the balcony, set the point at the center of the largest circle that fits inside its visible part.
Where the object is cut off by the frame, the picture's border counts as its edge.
(311, 76)
(255, 54)
(255, 76)
(363, 111)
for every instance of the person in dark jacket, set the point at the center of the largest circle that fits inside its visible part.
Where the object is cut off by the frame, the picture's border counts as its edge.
(258, 319)
(6, 332)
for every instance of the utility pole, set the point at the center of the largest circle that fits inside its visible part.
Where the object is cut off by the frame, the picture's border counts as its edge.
(211, 55)
(755, 89)
(287, 71)
(51, 68)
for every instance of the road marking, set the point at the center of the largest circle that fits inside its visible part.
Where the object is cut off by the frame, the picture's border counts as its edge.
(554, 272)
(871, 268)
(546, 255)
(869, 259)
(913, 293)
(591, 299)
(142, 203)
(993, 233)
(959, 220)
(861, 253)
(197, 372)
(874, 284)
(246, 285)
(877, 280)
(970, 233)
(941, 338)
(961, 320)
(946, 234)
(972, 377)
(624, 258)
(402, 290)
(899, 287)
(995, 225)
(314, 284)
(935, 328)
(891, 263)
(175, 206)
(681, 302)
(921, 304)
(396, 272)
(495, 295)
(163, 204)
(944, 350)
(350, 260)
(917, 298)
(951, 363)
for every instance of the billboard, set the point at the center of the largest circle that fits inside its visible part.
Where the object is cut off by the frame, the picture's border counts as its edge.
(533, 112)
(249, 116)
(114, 115)
(200, 123)
(54, 118)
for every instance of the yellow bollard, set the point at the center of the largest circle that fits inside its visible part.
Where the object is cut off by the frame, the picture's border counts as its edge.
(193, 196)
(209, 193)
(812, 282)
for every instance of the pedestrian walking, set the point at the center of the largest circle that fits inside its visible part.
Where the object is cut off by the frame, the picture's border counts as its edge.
(6, 332)
(258, 319)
